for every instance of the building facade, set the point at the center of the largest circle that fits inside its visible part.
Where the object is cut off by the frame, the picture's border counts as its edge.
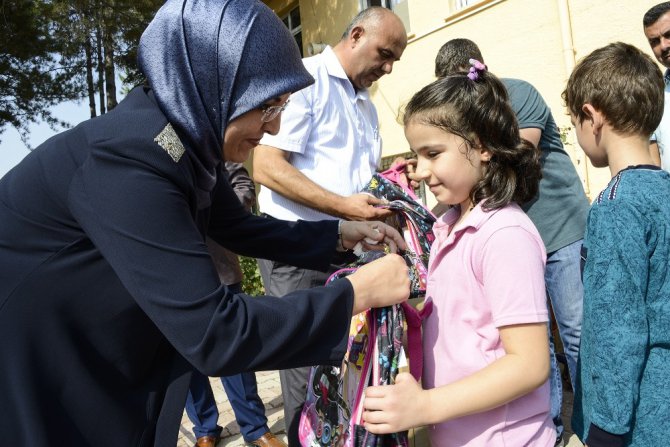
(536, 40)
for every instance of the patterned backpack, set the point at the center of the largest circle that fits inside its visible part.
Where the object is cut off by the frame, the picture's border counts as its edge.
(332, 414)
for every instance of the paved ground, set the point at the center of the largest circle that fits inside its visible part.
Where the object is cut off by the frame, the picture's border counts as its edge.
(269, 391)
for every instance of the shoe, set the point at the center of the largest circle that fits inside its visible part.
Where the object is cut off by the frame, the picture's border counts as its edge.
(268, 440)
(206, 441)
(559, 441)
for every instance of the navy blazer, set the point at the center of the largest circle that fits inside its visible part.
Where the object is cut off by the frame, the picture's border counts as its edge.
(108, 296)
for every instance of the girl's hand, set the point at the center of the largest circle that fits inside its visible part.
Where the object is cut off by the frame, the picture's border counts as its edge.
(411, 178)
(380, 283)
(373, 235)
(414, 178)
(394, 408)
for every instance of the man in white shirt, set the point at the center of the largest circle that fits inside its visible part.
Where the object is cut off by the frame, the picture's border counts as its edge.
(326, 151)
(656, 23)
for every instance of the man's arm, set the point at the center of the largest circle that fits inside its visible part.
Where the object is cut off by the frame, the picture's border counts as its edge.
(531, 134)
(273, 170)
(530, 109)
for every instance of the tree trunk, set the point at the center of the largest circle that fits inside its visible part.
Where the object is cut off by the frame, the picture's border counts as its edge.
(101, 68)
(89, 76)
(110, 81)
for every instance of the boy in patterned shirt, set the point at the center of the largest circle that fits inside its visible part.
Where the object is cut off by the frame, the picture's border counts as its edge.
(622, 398)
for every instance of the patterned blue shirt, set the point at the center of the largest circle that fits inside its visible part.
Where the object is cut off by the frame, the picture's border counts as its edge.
(623, 384)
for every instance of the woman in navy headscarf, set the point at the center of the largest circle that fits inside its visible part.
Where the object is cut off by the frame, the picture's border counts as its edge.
(108, 296)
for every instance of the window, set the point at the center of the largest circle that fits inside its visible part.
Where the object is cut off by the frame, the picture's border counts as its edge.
(292, 22)
(384, 3)
(460, 4)
(387, 161)
(400, 7)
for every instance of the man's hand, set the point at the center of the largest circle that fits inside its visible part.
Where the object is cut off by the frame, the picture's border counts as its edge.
(372, 235)
(362, 207)
(273, 170)
(380, 283)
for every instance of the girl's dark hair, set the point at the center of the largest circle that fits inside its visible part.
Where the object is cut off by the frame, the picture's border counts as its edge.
(480, 113)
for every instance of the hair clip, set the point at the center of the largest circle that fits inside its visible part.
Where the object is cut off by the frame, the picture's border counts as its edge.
(477, 67)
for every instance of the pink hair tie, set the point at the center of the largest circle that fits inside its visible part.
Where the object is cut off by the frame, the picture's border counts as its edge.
(477, 67)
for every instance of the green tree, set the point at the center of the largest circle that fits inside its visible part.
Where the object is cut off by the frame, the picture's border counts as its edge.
(52, 51)
(251, 282)
(102, 36)
(33, 75)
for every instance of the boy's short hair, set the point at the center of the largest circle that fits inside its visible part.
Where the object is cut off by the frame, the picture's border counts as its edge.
(622, 83)
(655, 13)
(454, 55)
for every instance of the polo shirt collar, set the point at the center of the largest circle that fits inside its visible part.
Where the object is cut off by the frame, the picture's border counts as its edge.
(477, 217)
(335, 69)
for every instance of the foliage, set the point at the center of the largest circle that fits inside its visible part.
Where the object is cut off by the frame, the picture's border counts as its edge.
(251, 284)
(52, 51)
(130, 33)
(33, 77)
(564, 132)
(102, 35)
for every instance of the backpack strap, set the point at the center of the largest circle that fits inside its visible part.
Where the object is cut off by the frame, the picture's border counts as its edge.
(414, 319)
(366, 372)
(398, 176)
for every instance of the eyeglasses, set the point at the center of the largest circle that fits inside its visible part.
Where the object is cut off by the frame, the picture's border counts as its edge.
(271, 112)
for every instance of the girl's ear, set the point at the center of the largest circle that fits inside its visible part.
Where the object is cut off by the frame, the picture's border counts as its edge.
(484, 154)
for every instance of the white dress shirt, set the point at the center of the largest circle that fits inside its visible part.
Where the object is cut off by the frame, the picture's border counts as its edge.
(332, 133)
(662, 133)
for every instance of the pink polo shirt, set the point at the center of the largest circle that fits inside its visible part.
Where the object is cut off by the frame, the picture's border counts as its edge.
(488, 273)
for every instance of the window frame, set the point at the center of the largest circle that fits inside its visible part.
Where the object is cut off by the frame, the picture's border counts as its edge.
(364, 4)
(462, 4)
(288, 21)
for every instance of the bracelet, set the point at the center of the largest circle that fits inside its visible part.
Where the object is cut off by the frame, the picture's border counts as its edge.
(340, 243)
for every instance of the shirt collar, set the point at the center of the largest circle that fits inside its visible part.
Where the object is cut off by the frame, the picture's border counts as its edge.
(335, 69)
(477, 217)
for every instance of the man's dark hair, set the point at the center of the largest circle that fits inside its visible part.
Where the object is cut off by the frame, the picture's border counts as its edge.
(655, 13)
(454, 55)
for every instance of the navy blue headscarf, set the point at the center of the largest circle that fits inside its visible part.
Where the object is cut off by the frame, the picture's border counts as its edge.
(210, 61)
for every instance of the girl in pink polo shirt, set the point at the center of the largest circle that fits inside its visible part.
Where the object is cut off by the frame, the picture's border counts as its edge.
(486, 352)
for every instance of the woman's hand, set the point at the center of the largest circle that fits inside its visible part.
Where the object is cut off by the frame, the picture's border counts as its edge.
(380, 283)
(372, 235)
(394, 408)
